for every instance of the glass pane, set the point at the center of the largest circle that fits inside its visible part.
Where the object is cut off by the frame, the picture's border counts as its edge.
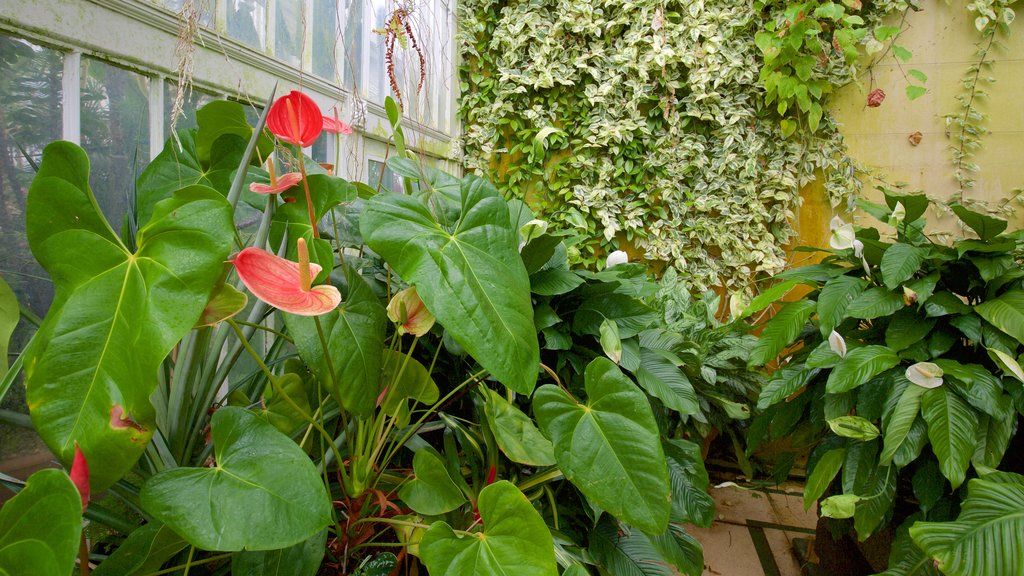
(325, 39)
(115, 133)
(353, 43)
(390, 182)
(193, 100)
(377, 83)
(290, 28)
(204, 7)
(247, 21)
(30, 118)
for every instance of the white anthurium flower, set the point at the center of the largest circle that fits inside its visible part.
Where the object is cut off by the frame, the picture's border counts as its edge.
(842, 236)
(616, 258)
(925, 375)
(837, 344)
(898, 213)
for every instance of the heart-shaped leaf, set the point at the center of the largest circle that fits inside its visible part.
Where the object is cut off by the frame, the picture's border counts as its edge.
(985, 226)
(514, 540)
(355, 339)
(468, 273)
(132, 308)
(40, 527)
(263, 493)
(609, 447)
(432, 491)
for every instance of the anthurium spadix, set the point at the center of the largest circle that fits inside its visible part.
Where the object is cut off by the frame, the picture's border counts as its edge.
(284, 284)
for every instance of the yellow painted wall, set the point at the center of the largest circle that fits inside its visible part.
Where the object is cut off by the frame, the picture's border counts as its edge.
(943, 41)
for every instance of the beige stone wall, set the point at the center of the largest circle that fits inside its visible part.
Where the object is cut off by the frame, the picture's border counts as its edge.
(943, 41)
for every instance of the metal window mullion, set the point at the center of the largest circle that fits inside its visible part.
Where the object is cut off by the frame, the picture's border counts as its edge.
(156, 115)
(220, 18)
(271, 33)
(306, 54)
(71, 86)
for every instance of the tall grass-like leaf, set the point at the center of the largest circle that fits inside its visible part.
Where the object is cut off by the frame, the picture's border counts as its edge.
(987, 537)
(780, 331)
(467, 271)
(132, 308)
(609, 447)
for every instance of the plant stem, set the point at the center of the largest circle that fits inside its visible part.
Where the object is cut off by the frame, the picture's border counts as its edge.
(309, 197)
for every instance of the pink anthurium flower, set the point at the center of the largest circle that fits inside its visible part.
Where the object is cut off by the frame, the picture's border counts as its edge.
(277, 185)
(335, 126)
(295, 119)
(284, 284)
(410, 313)
(80, 475)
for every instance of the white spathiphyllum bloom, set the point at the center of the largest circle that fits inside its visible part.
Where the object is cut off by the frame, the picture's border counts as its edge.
(533, 229)
(898, 213)
(925, 375)
(858, 248)
(616, 258)
(837, 344)
(842, 236)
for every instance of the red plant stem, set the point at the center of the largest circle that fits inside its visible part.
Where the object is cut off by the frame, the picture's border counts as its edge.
(83, 556)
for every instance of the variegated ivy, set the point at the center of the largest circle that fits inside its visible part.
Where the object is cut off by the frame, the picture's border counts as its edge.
(642, 123)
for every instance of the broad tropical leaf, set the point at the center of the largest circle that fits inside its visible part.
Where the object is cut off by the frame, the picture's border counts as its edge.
(516, 434)
(986, 227)
(1006, 313)
(875, 302)
(514, 539)
(623, 550)
(783, 383)
(987, 537)
(40, 527)
(432, 491)
(609, 447)
(133, 308)
(260, 474)
(780, 331)
(835, 298)
(302, 559)
(355, 333)
(468, 273)
(951, 424)
(900, 262)
(661, 378)
(10, 313)
(821, 476)
(144, 551)
(859, 366)
(900, 422)
(691, 502)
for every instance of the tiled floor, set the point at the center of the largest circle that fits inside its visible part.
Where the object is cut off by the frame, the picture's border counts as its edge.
(756, 532)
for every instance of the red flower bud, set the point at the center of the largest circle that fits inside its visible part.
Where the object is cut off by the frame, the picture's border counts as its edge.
(295, 119)
(80, 475)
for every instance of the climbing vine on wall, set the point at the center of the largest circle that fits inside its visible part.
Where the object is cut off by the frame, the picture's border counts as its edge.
(644, 126)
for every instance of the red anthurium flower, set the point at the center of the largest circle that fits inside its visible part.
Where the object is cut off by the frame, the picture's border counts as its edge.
(283, 183)
(284, 284)
(335, 126)
(295, 119)
(80, 475)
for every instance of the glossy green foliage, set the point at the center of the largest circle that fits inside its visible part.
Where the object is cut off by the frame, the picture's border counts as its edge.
(626, 551)
(516, 433)
(355, 333)
(514, 539)
(293, 218)
(145, 550)
(431, 491)
(131, 307)
(262, 494)
(609, 446)
(911, 360)
(9, 315)
(40, 527)
(987, 536)
(461, 254)
(302, 559)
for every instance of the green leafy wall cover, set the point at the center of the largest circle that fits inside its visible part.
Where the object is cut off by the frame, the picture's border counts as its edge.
(643, 124)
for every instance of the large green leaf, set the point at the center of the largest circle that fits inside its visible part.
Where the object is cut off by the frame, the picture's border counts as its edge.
(986, 227)
(355, 333)
(859, 366)
(1006, 313)
(835, 298)
(514, 540)
(906, 328)
(302, 559)
(783, 383)
(951, 424)
(263, 493)
(432, 491)
(468, 273)
(661, 378)
(40, 527)
(899, 423)
(130, 308)
(516, 434)
(821, 476)
(691, 502)
(975, 384)
(630, 314)
(875, 302)
(609, 447)
(144, 551)
(223, 118)
(987, 537)
(625, 551)
(9, 315)
(326, 192)
(780, 331)
(879, 494)
(900, 262)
